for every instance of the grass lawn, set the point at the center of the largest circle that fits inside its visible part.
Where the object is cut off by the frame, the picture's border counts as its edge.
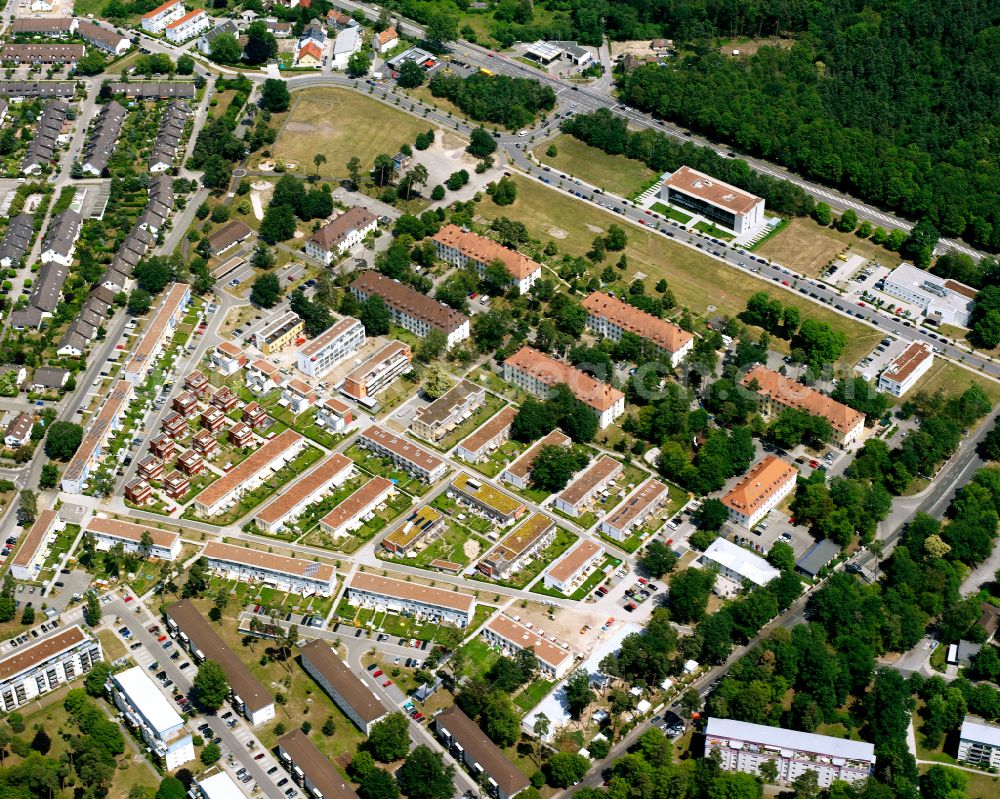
(532, 694)
(112, 645)
(479, 657)
(979, 786)
(953, 379)
(807, 248)
(712, 230)
(671, 213)
(316, 124)
(697, 281)
(614, 173)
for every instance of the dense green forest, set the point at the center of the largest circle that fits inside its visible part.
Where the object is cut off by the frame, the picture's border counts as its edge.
(894, 101)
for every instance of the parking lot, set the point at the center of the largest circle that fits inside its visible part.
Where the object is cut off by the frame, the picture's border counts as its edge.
(878, 359)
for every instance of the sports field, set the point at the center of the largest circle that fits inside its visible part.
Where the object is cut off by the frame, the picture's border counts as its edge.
(700, 283)
(341, 124)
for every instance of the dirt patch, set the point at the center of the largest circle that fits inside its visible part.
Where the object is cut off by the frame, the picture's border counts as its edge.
(557, 233)
(595, 229)
(808, 248)
(565, 624)
(637, 47)
(471, 549)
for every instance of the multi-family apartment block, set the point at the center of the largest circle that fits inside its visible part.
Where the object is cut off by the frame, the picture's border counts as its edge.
(518, 472)
(410, 309)
(27, 561)
(511, 637)
(227, 358)
(760, 490)
(102, 428)
(355, 510)
(151, 714)
(635, 509)
(339, 341)
(745, 747)
(337, 237)
(352, 696)
(570, 571)
(537, 373)
(311, 769)
(280, 333)
(520, 545)
(421, 527)
(462, 248)
(581, 493)
(293, 575)
(610, 317)
(979, 743)
(906, 369)
(43, 665)
(376, 374)
(334, 415)
(488, 437)
(162, 544)
(486, 498)
(156, 21)
(404, 454)
(157, 333)
(246, 476)
(777, 393)
(422, 601)
(192, 24)
(470, 746)
(287, 507)
(433, 422)
(195, 631)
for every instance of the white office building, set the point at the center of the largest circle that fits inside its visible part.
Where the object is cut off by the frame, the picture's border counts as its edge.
(737, 564)
(44, 664)
(149, 711)
(745, 747)
(719, 202)
(941, 300)
(906, 369)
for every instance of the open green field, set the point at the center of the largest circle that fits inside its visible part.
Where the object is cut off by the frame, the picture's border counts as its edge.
(455, 544)
(613, 173)
(341, 124)
(698, 282)
(954, 379)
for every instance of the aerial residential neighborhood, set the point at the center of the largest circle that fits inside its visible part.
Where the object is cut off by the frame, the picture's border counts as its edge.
(499, 399)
